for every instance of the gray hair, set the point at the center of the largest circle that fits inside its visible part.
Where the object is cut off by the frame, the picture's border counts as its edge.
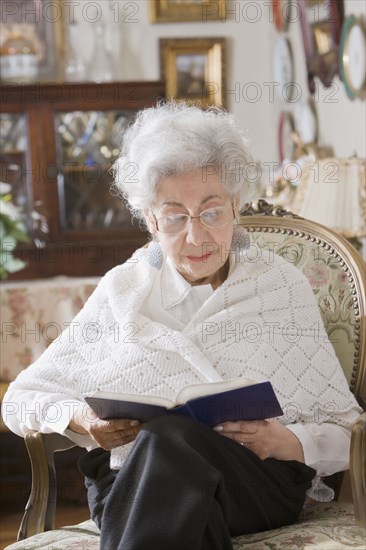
(174, 139)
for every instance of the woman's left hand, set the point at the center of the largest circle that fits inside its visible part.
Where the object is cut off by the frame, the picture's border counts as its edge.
(265, 438)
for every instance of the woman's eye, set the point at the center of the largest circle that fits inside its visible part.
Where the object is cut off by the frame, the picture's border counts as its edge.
(212, 214)
(177, 218)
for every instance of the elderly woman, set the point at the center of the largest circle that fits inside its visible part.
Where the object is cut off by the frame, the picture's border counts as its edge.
(174, 483)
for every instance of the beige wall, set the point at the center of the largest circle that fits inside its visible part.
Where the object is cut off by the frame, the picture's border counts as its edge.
(250, 39)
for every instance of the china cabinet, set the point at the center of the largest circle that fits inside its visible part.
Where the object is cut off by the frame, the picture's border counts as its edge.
(58, 143)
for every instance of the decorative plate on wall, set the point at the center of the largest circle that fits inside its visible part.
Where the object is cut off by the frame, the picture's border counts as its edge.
(283, 68)
(306, 121)
(352, 56)
(281, 14)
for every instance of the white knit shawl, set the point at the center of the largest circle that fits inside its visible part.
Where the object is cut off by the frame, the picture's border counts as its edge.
(262, 322)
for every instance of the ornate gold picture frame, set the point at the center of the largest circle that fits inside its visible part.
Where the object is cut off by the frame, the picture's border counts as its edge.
(194, 69)
(173, 11)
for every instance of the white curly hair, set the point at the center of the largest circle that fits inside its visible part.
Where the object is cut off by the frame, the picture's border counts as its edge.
(176, 138)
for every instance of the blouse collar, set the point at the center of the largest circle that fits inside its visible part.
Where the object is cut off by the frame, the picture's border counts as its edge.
(174, 288)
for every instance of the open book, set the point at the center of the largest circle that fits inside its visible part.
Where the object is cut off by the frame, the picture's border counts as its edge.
(210, 403)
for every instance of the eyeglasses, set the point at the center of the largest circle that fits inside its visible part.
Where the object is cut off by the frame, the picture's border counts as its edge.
(212, 218)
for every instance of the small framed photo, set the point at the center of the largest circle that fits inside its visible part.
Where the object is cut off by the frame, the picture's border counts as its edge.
(194, 69)
(34, 31)
(175, 11)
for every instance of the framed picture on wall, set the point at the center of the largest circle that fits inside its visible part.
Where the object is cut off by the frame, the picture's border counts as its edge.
(172, 11)
(194, 69)
(321, 25)
(31, 40)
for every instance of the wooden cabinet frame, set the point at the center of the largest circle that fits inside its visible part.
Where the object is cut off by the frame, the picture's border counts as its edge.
(73, 253)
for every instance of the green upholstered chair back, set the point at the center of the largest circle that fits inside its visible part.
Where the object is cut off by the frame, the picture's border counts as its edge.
(336, 272)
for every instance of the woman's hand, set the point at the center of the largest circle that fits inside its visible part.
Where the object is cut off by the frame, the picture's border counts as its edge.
(265, 438)
(106, 433)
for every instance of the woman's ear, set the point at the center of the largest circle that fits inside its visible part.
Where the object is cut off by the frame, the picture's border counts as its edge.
(150, 222)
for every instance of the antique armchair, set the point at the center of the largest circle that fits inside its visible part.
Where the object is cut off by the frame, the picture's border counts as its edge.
(337, 274)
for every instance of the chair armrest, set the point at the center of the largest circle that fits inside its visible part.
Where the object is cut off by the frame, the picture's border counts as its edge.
(358, 469)
(39, 514)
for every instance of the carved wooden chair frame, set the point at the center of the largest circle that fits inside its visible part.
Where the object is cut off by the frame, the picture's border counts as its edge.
(262, 217)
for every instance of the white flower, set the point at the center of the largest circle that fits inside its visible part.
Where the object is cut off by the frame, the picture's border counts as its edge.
(7, 208)
(4, 188)
(10, 210)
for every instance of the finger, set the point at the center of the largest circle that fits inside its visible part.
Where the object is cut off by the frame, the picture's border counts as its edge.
(129, 434)
(122, 437)
(243, 426)
(235, 436)
(249, 443)
(100, 431)
(111, 440)
(115, 425)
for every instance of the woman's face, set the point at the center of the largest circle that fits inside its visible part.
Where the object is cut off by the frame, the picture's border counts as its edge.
(198, 252)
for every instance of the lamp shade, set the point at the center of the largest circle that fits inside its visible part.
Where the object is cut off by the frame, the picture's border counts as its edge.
(332, 192)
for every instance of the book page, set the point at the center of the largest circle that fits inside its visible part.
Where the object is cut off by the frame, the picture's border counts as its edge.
(134, 398)
(209, 388)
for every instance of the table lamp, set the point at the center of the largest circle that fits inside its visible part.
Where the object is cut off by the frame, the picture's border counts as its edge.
(332, 192)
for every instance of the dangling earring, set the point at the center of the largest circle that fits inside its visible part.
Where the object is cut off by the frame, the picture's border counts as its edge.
(155, 255)
(240, 240)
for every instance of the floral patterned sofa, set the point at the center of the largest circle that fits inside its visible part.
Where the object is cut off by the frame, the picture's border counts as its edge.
(337, 275)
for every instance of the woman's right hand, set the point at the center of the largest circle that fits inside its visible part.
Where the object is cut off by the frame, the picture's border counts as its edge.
(106, 433)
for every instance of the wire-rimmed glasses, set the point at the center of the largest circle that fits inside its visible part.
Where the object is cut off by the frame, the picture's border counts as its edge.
(216, 217)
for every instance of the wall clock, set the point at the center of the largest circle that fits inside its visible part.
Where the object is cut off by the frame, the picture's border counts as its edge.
(306, 121)
(352, 56)
(283, 68)
(281, 10)
(321, 24)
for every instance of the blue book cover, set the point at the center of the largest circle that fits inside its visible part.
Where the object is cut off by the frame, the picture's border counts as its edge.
(256, 401)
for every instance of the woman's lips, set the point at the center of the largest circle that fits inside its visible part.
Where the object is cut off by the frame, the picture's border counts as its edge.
(203, 258)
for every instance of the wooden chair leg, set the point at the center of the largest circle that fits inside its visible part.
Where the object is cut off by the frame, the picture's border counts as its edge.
(39, 514)
(358, 469)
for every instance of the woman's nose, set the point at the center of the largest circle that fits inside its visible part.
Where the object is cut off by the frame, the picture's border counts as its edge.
(196, 232)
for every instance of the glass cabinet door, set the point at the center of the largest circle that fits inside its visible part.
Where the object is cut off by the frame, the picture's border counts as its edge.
(17, 170)
(87, 144)
(13, 162)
